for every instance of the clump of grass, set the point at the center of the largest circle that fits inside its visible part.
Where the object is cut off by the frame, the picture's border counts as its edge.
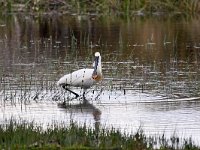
(28, 136)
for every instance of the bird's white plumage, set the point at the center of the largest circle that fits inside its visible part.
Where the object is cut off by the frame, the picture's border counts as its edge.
(80, 78)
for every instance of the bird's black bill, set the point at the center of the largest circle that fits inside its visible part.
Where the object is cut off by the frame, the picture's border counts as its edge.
(96, 61)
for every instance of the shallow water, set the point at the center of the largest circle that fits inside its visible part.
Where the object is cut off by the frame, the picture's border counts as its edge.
(151, 69)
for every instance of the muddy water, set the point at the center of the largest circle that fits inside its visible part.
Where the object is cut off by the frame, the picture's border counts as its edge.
(151, 68)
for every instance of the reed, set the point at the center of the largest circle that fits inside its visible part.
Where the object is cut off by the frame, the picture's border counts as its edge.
(126, 7)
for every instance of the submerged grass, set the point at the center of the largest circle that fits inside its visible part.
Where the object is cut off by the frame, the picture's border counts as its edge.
(26, 136)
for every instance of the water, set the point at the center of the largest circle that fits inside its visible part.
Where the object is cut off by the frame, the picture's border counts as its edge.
(151, 72)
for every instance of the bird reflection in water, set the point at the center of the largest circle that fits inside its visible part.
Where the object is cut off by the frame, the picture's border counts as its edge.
(84, 107)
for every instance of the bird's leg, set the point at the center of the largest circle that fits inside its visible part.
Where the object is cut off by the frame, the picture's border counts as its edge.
(84, 98)
(85, 101)
(64, 87)
(84, 95)
(99, 94)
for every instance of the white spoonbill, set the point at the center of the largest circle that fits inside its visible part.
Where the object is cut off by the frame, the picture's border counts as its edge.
(83, 78)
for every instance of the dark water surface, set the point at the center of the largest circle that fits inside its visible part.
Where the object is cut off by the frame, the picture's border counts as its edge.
(151, 68)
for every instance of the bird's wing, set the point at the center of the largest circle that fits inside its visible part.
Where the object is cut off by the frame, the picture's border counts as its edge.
(80, 78)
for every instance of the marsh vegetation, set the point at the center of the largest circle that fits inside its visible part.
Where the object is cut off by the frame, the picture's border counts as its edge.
(103, 7)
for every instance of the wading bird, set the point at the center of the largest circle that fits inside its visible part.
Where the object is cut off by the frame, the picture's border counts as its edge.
(83, 78)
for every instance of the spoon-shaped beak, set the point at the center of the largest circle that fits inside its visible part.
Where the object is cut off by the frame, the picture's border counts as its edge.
(96, 61)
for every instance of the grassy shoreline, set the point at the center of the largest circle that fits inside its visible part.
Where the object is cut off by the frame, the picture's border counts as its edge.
(105, 7)
(28, 136)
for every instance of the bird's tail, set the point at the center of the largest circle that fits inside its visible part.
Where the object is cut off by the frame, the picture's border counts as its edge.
(61, 81)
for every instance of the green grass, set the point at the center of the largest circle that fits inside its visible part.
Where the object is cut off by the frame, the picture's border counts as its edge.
(125, 7)
(28, 136)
